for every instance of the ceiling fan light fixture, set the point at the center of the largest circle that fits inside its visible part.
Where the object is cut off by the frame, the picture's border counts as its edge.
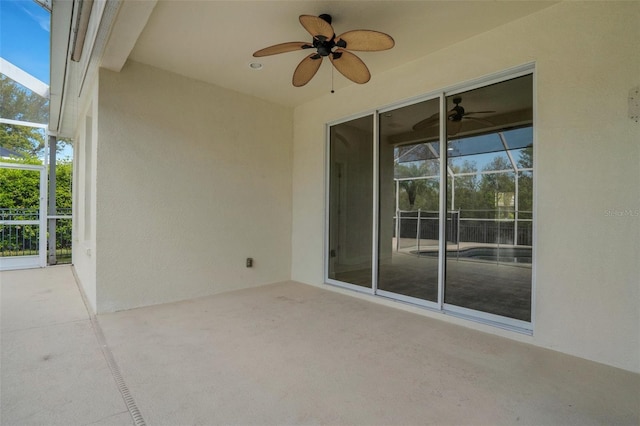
(255, 65)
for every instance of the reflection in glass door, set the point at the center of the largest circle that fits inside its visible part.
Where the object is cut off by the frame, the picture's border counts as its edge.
(409, 170)
(490, 199)
(454, 206)
(351, 202)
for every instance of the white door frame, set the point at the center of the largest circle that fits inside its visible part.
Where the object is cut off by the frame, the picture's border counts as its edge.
(39, 260)
(478, 316)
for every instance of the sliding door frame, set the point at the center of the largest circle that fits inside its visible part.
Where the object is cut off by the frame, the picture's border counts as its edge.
(327, 188)
(440, 306)
(499, 321)
(428, 304)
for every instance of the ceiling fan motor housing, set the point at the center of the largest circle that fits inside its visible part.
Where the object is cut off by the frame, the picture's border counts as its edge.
(325, 17)
(459, 111)
(323, 45)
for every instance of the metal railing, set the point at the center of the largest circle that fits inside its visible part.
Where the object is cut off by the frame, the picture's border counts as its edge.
(19, 239)
(473, 226)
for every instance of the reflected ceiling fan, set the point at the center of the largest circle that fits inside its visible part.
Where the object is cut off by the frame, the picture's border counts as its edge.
(454, 116)
(325, 43)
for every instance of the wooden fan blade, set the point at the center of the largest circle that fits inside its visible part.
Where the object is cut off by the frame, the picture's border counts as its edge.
(427, 122)
(317, 26)
(282, 48)
(479, 120)
(453, 128)
(306, 69)
(479, 112)
(365, 40)
(350, 66)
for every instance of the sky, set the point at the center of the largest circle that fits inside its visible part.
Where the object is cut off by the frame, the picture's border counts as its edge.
(25, 33)
(24, 36)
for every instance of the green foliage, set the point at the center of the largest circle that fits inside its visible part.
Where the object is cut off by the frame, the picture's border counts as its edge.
(18, 103)
(410, 187)
(418, 193)
(526, 158)
(20, 189)
(467, 195)
(525, 193)
(25, 141)
(64, 173)
(491, 192)
(494, 187)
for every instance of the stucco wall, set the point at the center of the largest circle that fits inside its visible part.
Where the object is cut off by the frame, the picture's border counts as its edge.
(191, 180)
(84, 196)
(586, 270)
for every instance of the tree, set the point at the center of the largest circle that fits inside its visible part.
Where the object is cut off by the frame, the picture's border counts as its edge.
(418, 193)
(24, 141)
(525, 183)
(20, 188)
(494, 187)
(466, 187)
(20, 191)
(526, 158)
(18, 103)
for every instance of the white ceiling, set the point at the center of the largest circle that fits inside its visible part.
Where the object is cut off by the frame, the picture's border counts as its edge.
(213, 41)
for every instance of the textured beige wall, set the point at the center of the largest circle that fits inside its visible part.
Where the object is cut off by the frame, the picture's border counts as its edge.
(191, 180)
(84, 199)
(586, 271)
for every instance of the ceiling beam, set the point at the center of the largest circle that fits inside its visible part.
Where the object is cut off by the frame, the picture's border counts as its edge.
(23, 78)
(131, 20)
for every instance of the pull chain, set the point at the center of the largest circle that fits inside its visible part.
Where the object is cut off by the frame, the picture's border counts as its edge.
(332, 91)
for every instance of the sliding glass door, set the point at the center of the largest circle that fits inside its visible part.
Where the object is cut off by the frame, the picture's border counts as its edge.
(409, 173)
(490, 199)
(351, 202)
(434, 206)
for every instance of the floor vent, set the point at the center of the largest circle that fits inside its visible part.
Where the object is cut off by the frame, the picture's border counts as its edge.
(138, 420)
(115, 372)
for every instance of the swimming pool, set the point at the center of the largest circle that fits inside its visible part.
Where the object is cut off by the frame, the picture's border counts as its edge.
(489, 254)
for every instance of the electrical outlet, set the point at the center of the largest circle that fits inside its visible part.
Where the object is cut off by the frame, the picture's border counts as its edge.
(249, 262)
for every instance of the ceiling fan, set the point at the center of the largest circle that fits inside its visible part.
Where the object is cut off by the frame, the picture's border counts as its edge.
(325, 43)
(454, 116)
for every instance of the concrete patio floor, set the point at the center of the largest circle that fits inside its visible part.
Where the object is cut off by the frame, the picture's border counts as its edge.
(284, 353)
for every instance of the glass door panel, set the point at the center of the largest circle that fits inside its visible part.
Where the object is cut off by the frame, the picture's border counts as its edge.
(490, 199)
(409, 170)
(487, 216)
(351, 202)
